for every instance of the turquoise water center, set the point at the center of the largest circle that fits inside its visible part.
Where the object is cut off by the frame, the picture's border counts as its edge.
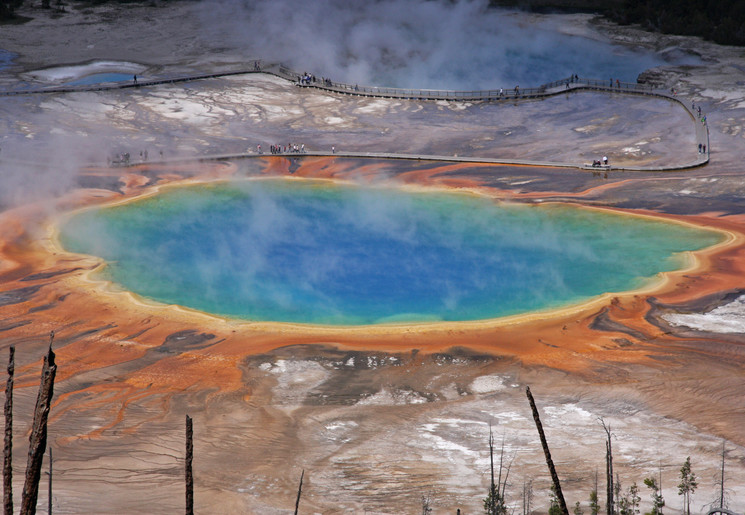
(323, 253)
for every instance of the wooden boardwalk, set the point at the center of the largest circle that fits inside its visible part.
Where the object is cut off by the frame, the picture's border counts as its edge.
(560, 87)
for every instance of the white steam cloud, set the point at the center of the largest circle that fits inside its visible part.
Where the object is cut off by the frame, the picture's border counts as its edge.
(417, 44)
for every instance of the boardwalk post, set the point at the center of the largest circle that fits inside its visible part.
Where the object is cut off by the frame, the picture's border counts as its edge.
(549, 461)
(187, 467)
(8, 448)
(38, 437)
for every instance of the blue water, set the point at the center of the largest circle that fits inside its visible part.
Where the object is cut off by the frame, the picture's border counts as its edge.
(310, 252)
(6, 58)
(98, 78)
(435, 44)
(520, 62)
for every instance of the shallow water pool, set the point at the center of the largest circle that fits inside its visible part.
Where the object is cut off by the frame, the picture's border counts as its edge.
(99, 78)
(312, 252)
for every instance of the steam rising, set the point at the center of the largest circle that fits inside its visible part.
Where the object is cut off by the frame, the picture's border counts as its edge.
(307, 252)
(418, 44)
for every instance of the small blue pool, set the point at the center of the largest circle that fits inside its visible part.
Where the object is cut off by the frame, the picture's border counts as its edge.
(98, 78)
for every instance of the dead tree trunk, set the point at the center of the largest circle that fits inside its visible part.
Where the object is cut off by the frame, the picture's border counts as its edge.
(609, 502)
(721, 484)
(187, 467)
(492, 489)
(38, 438)
(608, 479)
(299, 491)
(8, 448)
(549, 461)
(50, 482)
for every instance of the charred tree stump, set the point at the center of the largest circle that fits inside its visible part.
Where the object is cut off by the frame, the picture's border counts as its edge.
(187, 467)
(38, 438)
(299, 491)
(8, 448)
(549, 461)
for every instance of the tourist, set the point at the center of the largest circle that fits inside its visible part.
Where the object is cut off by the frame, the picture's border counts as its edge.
(333, 150)
(704, 149)
(605, 160)
(699, 148)
(135, 79)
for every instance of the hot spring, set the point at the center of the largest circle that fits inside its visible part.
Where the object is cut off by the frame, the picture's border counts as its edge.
(324, 253)
(440, 44)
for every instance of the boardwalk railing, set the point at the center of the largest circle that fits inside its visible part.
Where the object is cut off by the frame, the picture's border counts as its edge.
(566, 85)
(306, 80)
(515, 93)
(557, 87)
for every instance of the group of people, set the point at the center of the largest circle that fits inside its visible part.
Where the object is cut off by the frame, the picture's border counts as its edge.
(287, 149)
(120, 159)
(600, 162)
(307, 78)
(125, 159)
(695, 109)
